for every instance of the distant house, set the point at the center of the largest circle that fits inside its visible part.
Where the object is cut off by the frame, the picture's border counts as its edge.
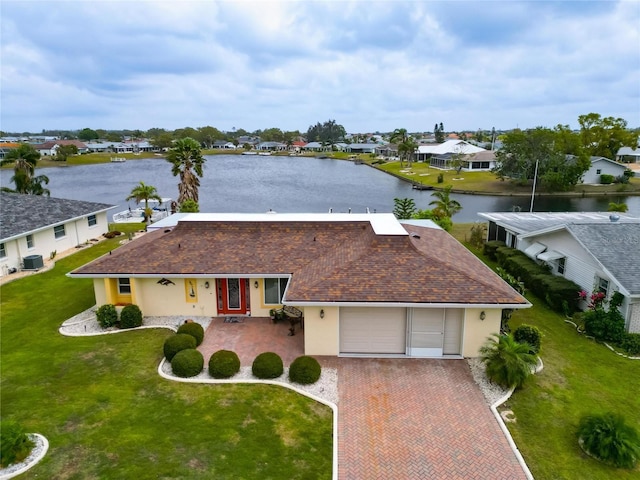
(6, 147)
(366, 284)
(224, 145)
(316, 147)
(271, 146)
(628, 154)
(390, 150)
(35, 226)
(50, 148)
(602, 166)
(600, 251)
(361, 147)
(440, 155)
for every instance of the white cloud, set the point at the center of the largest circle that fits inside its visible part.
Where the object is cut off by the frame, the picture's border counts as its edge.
(289, 64)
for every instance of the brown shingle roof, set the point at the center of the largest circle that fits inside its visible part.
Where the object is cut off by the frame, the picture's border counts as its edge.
(329, 261)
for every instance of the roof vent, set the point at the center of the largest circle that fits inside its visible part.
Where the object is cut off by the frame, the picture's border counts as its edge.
(614, 217)
(415, 235)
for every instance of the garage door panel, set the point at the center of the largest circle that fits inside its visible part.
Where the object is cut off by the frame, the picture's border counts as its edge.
(427, 331)
(453, 331)
(372, 330)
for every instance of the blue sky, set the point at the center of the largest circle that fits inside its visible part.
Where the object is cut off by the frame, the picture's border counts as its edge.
(369, 65)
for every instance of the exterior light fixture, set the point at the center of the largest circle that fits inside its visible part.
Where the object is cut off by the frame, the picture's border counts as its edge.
(483, 315)
(321, 313)
(255, 284)
(206, 284)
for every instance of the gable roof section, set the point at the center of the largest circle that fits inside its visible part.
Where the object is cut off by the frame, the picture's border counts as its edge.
(22, 214)
(450, 146)
(329, 261)
(616, 246)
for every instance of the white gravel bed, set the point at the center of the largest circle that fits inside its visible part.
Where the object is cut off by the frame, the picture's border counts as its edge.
(86, 323)
(326, 387)
(40, 447)
(491, 391)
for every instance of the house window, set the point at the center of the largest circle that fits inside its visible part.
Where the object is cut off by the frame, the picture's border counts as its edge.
(562, 263)
(602, 285)
(124, 286)
(92, 220)
(274, 290)
(598, 171)
(58, 231)
(3, 251)
(30, 241)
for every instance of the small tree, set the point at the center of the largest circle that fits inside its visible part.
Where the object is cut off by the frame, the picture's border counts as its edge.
(404, 208)
(508, 362)
(608, 438)
(144, 193)
(189, 206)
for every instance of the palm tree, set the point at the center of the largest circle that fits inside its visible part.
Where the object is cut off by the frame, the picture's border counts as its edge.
(508, 362)
(187, 161)
(444, 203)
(25, 158)
(617, 207)
(144, 193)
(399, 136)
(406, 150)
(608, 438)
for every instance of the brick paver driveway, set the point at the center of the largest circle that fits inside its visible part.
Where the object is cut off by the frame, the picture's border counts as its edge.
(417, 419)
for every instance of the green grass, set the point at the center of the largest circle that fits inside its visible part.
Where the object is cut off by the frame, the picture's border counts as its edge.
(487, 183)
(108, 414)
(580, 377)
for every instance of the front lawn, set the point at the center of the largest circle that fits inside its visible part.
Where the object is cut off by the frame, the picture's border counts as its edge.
(579, 377)
(108, 414)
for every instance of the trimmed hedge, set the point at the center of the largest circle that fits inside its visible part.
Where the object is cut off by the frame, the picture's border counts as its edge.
(176, 343)
(559, 292)
(490, 248)
(305, 370)
(187, 363)
(194, 329)
(530, 335)
(107, 315)
(267, 365)
(224, 364)
(631, 343)
(130, 317)
(606, 179)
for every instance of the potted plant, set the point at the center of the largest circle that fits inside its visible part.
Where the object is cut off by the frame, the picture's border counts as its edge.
(272, 315)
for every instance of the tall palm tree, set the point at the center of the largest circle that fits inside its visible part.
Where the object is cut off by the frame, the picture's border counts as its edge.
(444, 203)
(399, 136)
(144, 193)
(25, 158)
(406, 150)
(187, 161)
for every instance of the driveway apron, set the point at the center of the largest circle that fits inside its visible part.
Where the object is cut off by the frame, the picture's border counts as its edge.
(417, 419)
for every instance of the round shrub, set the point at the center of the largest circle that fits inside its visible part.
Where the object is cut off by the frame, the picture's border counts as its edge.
(130, 317)
(107, 315)
(194, 329)
(15, 445)
(176, 343)
(530, 335)
(224, 364)
(305, 370)
(608, 438)
(267, 365)
(187, 363)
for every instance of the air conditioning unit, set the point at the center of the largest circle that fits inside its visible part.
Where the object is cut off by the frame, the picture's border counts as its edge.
(33, 262)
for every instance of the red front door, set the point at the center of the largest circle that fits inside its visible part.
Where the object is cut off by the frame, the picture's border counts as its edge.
(232, 296)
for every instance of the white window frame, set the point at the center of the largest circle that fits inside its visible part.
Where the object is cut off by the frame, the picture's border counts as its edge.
(30, 244)
(602, 285)
(56, 231)
(3, 250)
(124, 286)
(282, 285)
(92, 218)
(562, 265)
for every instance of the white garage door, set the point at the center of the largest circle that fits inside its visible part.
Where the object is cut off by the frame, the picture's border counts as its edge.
(427, 332)
(453, 331)
(372, 330)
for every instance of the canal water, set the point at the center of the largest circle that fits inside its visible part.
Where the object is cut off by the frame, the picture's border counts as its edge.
(252, 183)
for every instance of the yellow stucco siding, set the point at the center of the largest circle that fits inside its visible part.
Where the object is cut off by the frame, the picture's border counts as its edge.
(321, 334)
(258, 308)
(476, 331)
(157, 300)
(100, 287)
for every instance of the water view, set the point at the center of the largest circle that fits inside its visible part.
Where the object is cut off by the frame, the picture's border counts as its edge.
(247, 183)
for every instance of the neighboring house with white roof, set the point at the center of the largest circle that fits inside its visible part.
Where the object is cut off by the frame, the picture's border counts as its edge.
(34, 226)
(600, 251)
(440, 155)
(602, 166)
(628, 154)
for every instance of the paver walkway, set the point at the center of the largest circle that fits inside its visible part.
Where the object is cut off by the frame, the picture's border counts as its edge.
(417, 419)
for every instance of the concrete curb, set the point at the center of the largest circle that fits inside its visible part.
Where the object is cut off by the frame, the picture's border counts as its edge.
(31, 461)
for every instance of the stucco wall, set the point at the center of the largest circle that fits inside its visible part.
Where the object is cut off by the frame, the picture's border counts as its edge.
(157, 300)
(476, 331)
(321, 334)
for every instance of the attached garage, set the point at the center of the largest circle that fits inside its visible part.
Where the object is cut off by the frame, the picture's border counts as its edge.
(373, 330)
(417, 332)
